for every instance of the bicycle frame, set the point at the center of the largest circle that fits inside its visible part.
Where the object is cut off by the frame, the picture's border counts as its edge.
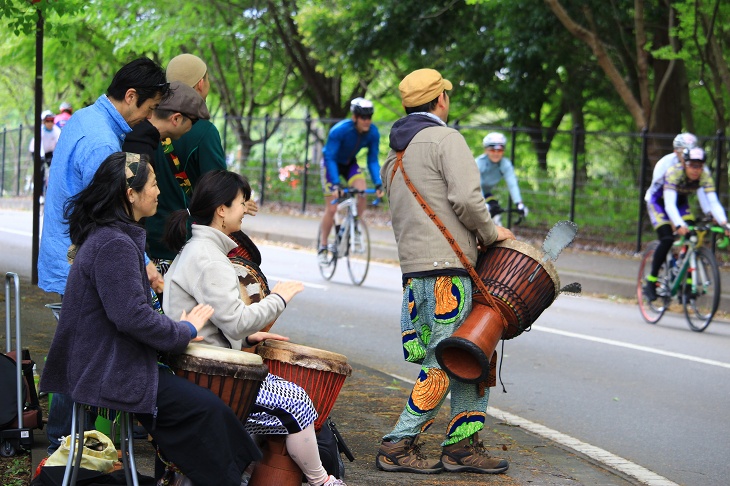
(688, 262)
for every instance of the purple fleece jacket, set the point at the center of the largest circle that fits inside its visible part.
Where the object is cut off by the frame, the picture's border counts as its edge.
(104, 351)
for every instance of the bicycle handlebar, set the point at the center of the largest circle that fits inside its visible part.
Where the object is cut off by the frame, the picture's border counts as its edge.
(348, 193)
(520, 216)
(713, 228)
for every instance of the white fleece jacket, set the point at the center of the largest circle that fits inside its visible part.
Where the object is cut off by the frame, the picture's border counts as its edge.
(201, 273)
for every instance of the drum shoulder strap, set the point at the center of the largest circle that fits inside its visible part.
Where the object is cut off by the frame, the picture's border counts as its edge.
(447, 234)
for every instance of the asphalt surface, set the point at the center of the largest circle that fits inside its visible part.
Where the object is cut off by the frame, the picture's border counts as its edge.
(371, 401)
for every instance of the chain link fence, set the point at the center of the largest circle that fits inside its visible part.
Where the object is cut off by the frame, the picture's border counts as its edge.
(596, 179)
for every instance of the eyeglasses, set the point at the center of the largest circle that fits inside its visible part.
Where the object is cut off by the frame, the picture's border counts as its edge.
(365, 117)
(695, 165)
(492, 149)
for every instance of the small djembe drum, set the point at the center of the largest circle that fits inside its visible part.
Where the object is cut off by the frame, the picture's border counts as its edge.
(231, 374)
(522, 286)
(321, 373)
(253, 286)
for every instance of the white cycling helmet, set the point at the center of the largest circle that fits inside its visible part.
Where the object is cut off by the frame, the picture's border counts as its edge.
(684, 140)
(47, 114)
(65, 106)
(361, 106)
(494, 139)
(694, 154)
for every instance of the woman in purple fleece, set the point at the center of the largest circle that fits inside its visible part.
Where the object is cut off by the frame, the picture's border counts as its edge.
(105, 348)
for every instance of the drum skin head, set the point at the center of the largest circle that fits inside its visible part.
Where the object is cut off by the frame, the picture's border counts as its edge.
(225, 355)
(536, 255)
(305, 356)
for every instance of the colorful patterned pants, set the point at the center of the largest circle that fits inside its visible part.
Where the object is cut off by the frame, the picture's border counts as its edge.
(433, 308)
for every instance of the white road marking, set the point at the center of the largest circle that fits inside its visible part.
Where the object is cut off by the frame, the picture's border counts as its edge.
(642, 474)
(637, 347)
(625, 466)
(16, 232)
(306, 284)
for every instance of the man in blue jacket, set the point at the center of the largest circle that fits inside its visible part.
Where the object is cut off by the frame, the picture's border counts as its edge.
(339, 161)
(88, 138)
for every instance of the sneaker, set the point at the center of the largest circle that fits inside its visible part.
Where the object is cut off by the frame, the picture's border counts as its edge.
(323, 256)
(649, 291)
(333, 481)
(405, 456)
(469, 455)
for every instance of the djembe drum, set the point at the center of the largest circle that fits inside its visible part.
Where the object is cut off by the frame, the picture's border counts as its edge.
(233, 375)
(321, 373)
(522, 286)
(252, 285)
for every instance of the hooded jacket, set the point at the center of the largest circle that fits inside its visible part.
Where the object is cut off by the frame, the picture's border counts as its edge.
(104, 351)
(440, 165)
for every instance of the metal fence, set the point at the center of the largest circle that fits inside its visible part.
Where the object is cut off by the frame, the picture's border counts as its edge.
(596, 179)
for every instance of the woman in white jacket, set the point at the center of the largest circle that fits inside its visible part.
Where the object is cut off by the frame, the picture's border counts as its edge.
(202, 272)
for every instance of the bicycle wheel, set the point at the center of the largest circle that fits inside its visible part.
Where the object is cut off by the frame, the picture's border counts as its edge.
(328, 263)
(651, 311)
(358, 253)
(701, 303)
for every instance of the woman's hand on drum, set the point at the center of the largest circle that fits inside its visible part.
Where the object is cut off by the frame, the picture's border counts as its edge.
(198, 316)
(257, 337)
(287, 290)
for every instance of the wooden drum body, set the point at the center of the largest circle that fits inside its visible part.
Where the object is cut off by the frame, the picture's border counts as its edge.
(522, 286)
(321, 373)
(233, 375)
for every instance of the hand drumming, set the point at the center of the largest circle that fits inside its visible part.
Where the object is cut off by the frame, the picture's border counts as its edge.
(198, 316)
(288, 289)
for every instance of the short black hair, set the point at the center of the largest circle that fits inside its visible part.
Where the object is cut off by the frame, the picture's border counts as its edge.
(143, 75)
(428, 107)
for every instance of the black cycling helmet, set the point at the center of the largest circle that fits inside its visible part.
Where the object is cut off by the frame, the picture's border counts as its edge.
(361, 106)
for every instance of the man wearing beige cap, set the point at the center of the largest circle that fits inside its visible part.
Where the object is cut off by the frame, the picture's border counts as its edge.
(437, 293)
(172, 119)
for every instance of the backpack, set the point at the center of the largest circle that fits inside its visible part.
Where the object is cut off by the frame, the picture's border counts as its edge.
(13, 438)
(331, 446)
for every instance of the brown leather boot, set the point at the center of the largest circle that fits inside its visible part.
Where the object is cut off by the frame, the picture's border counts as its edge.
(469, 455)
(405, 456)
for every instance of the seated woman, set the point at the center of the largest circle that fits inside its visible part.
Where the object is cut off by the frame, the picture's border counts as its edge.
(202, 272)
(104, 352)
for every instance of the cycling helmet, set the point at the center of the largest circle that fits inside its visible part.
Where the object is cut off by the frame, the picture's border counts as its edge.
(494, 139)
(65, 106)
(694, 154)
(684, 140)
(47, 114)
(361, 106)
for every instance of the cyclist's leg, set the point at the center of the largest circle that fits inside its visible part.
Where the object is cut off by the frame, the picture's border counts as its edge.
(666, 239)
(660, 221)
(356, 180)
(329, 209)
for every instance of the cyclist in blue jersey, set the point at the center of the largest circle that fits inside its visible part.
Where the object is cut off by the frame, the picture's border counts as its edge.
(669, 210)
(339, 161)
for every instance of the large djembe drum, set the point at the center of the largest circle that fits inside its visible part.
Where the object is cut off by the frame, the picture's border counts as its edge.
(521, 285)
(321, 373)
(231, 374)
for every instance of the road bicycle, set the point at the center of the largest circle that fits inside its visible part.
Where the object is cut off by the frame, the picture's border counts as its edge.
(690, 275)
(349, 238)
